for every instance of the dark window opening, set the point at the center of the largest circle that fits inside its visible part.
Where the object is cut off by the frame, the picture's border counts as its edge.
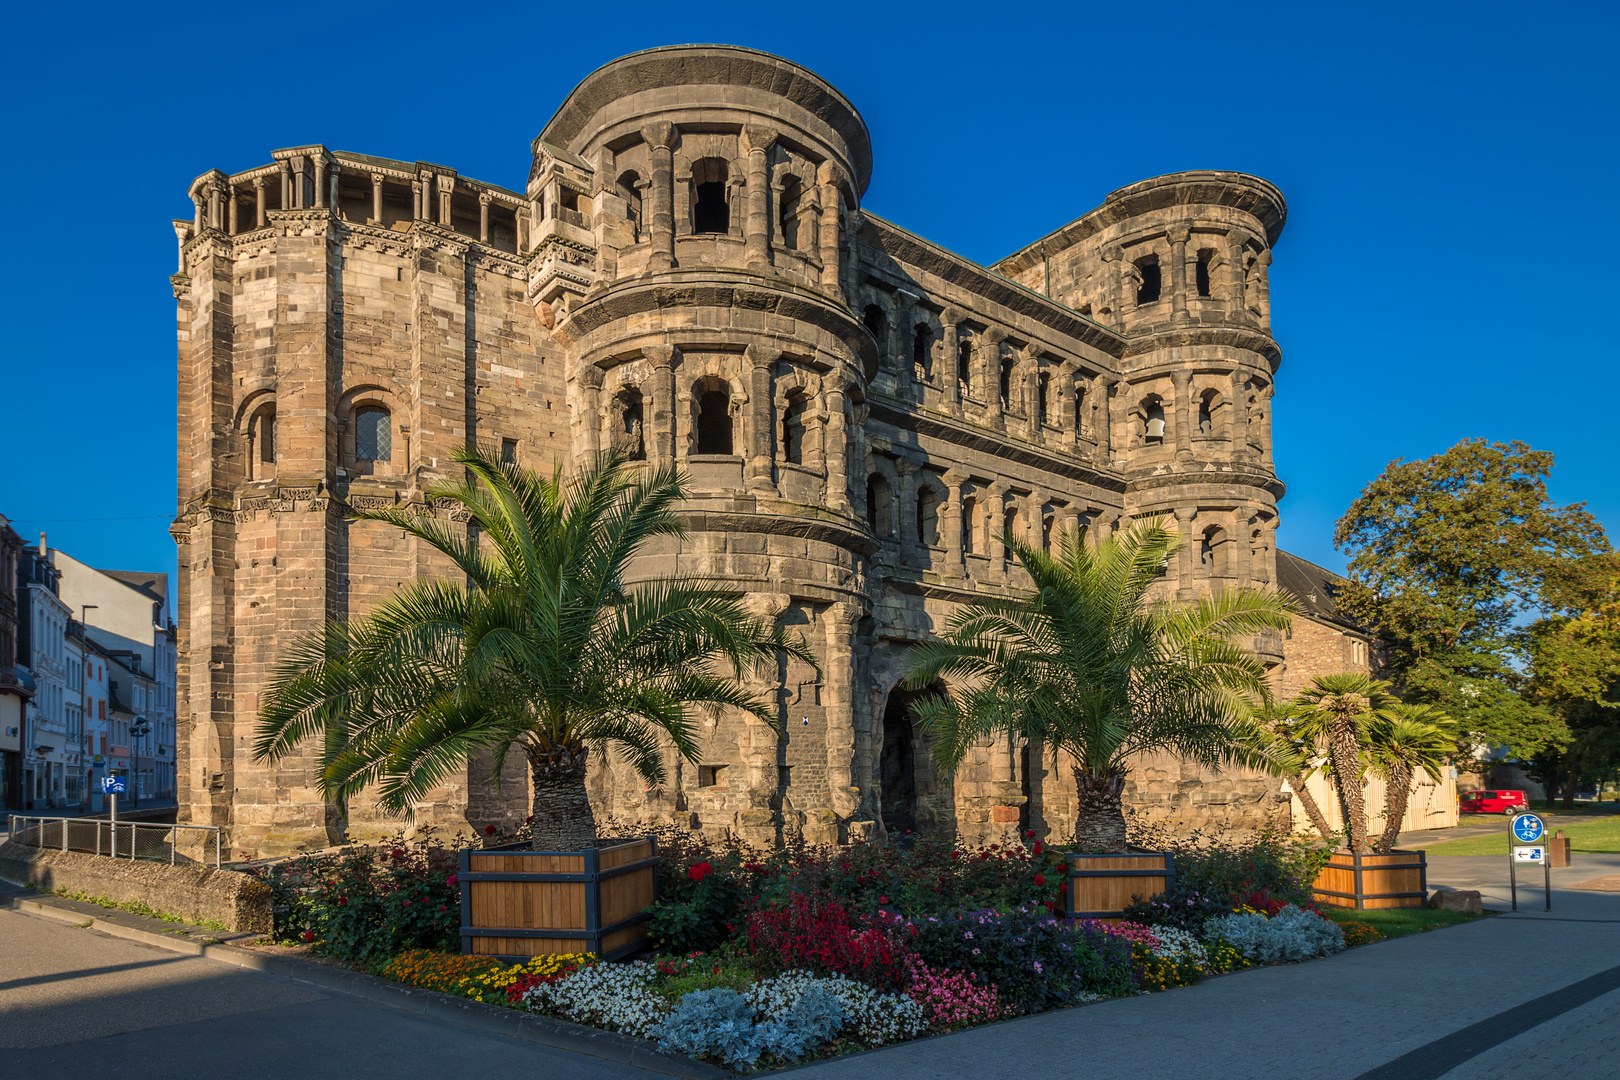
(509, 451)
(1153, 432)
(714, 421)
(1079, 408)
(793, 430)
(267, 437)
(710, 211)
(1201, 274)
(1047, 524)
(788, 216)
(373, 440)
(970, 523)
(922, 352)
(709, 775)
(964, 362)
(1006, 382)
(897, 762)
(627, 435)
(1043, 383)
(928, 517)
(1148, 291)
(1206, 420)
(1009, 529)
(877, 324)
(878, 516)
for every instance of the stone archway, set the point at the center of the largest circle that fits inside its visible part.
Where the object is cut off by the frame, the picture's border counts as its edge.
(898, 761)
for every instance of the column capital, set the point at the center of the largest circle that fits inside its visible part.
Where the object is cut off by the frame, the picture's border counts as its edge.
(258, 183)
(994, 335)
(951, 316)
(485, 198)
(1178, 234)
(954, 479)
(1181, 379)
(766, 605)
(660, 135)
(760, 355)
(660, 356)
(844, 614)
(590, 376)
(376, 180)
(759, 138)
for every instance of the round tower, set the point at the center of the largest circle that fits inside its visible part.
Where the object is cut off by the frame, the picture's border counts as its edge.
(691, 209)
(1183, 275)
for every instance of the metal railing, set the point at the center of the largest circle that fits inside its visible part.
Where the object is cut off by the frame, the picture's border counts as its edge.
(120, 839)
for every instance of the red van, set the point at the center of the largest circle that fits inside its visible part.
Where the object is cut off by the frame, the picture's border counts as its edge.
(1493, 802)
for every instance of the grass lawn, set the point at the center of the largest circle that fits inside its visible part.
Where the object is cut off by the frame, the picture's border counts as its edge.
(1585, 833)
(1398, 922)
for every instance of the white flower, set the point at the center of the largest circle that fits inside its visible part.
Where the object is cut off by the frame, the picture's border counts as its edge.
(1178, 946)
(615, 996)
(876, 1018)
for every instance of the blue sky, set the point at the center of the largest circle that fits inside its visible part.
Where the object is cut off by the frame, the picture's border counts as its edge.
(1449, 268)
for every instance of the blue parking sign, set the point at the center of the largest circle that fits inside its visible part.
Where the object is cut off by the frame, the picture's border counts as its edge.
(112, 785)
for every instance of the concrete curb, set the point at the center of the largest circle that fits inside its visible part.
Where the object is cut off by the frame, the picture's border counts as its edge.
(492, 1019)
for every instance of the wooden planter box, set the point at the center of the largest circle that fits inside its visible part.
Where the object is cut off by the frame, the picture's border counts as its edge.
(517, 903)
(1367, 882)
(1100, 886)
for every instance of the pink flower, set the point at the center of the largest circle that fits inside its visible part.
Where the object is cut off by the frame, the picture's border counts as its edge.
(452, 880)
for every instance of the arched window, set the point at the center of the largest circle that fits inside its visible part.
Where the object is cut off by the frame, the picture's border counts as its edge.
(877, 324)
(261, 436)
(1153, 428)
(713, 416)
(928, 517)
(1213, 552)
(970, 523)
(788, 211)
(628, 188)
(627, 432)
(922, 351)
(878, 511)
(1206, 412)
(1206, 258)
(1048, 522)
(1079, 406)
(373, 438)
(793, 430)
(1148, 291)
(710, 211)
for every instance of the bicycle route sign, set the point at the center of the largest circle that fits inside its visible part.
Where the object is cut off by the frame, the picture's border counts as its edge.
(1528, 828)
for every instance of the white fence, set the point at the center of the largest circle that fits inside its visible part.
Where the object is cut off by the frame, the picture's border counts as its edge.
(120, 840)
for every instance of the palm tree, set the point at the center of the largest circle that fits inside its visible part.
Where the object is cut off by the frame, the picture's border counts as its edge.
(1285, 727)
(1334, 709)
(1400, 741)
(543, 649)
(1089, 666)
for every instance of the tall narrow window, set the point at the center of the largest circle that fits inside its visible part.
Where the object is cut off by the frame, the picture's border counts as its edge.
(1148, 291)
(509, 451)
(878, 515)
(970, 523)
(373, 439)
(1206, 414)
(710, 211)
(713, 417)
(1043, 383)
(1153, 430)
(788, 215)
(793, 430)
(928, 517)
(922, 352)
(1006, 383)
(267, 436)
(1009, 527)
(628, 188)
(1201, 273)
(1080, 409)
(626, 431)
(964, 363)
(877, 324)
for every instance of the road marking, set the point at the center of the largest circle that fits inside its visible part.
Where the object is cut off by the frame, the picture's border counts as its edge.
(1435, 1059)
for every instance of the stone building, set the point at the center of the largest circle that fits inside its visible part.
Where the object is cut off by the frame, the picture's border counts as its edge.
(689, 274)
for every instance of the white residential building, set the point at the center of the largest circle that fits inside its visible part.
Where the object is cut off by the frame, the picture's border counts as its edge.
(42, 631)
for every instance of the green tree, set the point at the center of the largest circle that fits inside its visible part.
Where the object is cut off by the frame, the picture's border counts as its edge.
(1335, 709)
(1447, 555)
(1090, 666)
(543, 649)
(1285, 726)
(1402, 740)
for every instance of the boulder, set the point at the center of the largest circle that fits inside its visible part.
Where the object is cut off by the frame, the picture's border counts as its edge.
(1467, 901)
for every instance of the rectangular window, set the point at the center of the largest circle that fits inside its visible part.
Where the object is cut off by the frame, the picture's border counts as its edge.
(509, 451)
(709, 775)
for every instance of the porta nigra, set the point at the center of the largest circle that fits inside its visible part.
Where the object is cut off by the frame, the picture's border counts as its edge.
(689, 274)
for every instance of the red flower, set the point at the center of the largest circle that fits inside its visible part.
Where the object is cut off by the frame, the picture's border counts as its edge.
(528, 819)
(699, 871)
(396, 853)
(1037, 849)
(342, 900)
(441, 907)
(451, 880)
(407, 903)
(1030, 834)
(956, 854)
(1040, 879)
(309, 935)
(883, 899)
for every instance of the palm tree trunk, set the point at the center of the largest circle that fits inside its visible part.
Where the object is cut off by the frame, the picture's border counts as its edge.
(1099, 826)
(563, 820)
(1312, 811)
(1345, 750)
(1396, 796)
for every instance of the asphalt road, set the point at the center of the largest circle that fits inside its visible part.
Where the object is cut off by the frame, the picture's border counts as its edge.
(76, 1003)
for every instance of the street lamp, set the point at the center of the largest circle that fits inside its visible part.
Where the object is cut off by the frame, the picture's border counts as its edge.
(137, 728)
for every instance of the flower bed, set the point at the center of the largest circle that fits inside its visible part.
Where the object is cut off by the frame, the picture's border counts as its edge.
(770, 958)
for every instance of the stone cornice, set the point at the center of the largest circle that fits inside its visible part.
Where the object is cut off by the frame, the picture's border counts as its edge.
(814, 524)
(1207, 474)
(1180, 337)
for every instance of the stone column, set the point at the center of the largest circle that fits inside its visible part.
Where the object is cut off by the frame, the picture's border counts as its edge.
(950, 319)
(839, 683)
(1030, 359)
(484, 199)
(1236, 414)
(907, 519)
(1069, 521)
(951, 526)
(1102, 424)
(1262, 277)
(1113, 283)
(899, 313)
(760, 412)
(1182, 381)
(828, 178)
(660, 140)
(376, 197)
(1186, 556)
(995, 511)
(590, 400)
(332, 184)
(1179, 235)
(231, 211)
(1243, 545)
(447, 185)
(757, 230)
(1265, 424)
(182, 233)
(1236, 307)
(416, 200)
(662, 358)
(1035, 519)
(837, 447)
(287, 201)
(320, 180)
(258, 202)
(990, 376)
(199, 216)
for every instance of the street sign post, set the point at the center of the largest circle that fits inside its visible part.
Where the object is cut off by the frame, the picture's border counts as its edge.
(112, 787)
(1526, 845)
